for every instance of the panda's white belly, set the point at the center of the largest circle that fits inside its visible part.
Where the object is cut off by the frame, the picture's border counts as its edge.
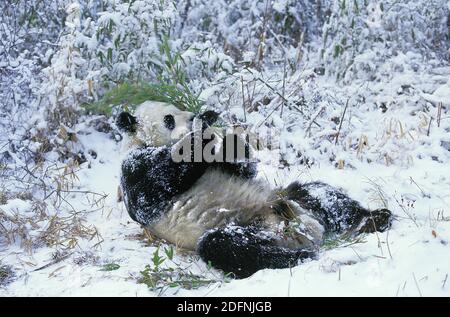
(214, 201)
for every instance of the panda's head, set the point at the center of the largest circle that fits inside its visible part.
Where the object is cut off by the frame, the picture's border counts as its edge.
(158, 124)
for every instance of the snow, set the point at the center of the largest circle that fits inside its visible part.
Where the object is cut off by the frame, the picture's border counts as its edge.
(441, 94)
(393, 147)
(16, 206)
(408, 260)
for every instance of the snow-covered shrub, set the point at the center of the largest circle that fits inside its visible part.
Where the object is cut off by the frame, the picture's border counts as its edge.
(28, 38)
(251, 31)
(29, 33)
(359, 35)
(125, 42)
(6, 274)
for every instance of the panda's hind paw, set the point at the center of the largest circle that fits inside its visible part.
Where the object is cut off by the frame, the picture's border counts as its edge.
(379, 220)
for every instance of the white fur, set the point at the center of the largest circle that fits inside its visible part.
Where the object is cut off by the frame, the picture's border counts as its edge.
(151, 130)
(218, 199)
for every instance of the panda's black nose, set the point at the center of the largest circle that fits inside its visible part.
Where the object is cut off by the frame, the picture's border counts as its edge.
(169, 122)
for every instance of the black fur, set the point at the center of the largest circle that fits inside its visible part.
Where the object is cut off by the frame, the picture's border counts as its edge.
(209, 118)
(169, 122)
(150, 179)
(126, 122)
(243, 251)
(245, 170)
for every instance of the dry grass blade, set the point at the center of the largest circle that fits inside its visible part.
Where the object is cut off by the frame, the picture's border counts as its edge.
(55, 261)
(417, 285)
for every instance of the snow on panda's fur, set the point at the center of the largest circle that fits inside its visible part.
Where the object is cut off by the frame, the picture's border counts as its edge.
(219, 209)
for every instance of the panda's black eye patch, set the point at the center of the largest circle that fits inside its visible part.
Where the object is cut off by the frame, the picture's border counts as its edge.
(169, 122)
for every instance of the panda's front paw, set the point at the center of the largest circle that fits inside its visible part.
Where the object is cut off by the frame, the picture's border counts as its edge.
(209, 117)
(242, 170)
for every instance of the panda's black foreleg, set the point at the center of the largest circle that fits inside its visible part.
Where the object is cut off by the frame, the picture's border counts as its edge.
(338, 212)
(245, 170)
(242, 251)
(150, 179)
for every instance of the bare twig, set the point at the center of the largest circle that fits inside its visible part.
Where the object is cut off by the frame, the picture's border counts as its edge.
(283, 98)
(342, 120)
(406, 212)
(260, 53)
(243, 99)
(429, 127)
(267, 117)
(421, 190)
(439, 115)
(314, 119)
(284, 86)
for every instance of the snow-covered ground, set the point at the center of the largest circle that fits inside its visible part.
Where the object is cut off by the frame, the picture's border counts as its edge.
(381, 131)
(410, 259)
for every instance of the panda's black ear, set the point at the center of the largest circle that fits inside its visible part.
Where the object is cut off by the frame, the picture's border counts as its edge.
(126, 122)
(209, 117)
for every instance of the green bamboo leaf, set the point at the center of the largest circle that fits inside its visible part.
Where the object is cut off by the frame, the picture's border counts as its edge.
(110, 267)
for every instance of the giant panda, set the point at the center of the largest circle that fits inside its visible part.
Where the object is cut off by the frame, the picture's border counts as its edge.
(221, 210)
